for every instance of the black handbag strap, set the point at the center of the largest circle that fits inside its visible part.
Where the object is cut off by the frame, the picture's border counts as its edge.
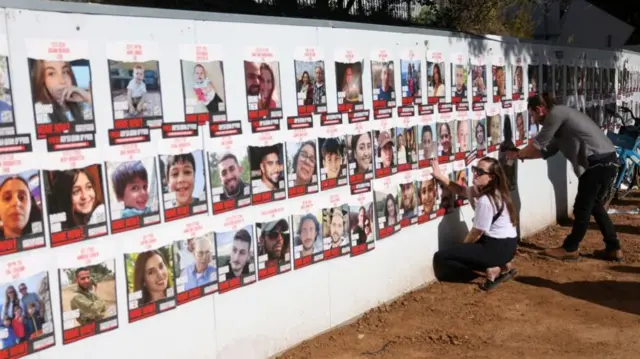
(499, 213)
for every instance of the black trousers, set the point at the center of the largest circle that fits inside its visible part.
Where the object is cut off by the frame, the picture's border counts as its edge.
(487, 252)
(592, 186)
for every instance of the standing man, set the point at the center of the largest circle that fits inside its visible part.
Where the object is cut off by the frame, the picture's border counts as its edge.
(90, 307)
(594, 159)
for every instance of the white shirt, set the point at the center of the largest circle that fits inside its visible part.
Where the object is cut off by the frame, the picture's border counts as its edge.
(501, 228)
(137, 89)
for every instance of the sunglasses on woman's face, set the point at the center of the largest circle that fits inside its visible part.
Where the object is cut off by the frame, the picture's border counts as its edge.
(478, 171)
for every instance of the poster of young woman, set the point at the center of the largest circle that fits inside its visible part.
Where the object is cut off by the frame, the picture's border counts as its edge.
(499, 76)
(361, 225)
(262, 86)
(60, 75)
(273, 239)
(517, 88)
(136, 93)
(521, 134)
(411, 76)
(382, 84)
(360, 148)
(194, 258)
(235, 247)
(459, 81)
(479, 133)
(349, 66)
(386, 153)
(436, 91)
(182, 171)
(463, 137)
(203, 85)
(407, 152)
(460, 176)
(229, 174)
(27, 314)
(306, 229)
(426, 132)
(385, 195)
(428, 199)
(494, 128)
(332, 152)
(302, 167)
(88, 300)
(76, 203)
(407, 194)
(478, 79)
(311, 89)
(335, 225)
(445, 134)
(148, 261)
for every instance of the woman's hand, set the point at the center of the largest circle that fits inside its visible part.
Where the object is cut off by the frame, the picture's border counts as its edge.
(76, 94)
(437, 172)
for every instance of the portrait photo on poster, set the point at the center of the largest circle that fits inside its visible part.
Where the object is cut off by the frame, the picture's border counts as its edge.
(479, 83)
(459, 78)
(133, 194)
(386, 154)
(27, 315)
(308, 245)
(264, 99)
(302, 167)
(407, 203)
(230, 179)
(204, 90)
(88, 300)
(406, 153)
(333, 162)
(382, 84)
(76, 204)
(427, 138)
(570, 79)
(436, 90)
(349, 85)
(521, 128)
(460, 177)
(518, 82)
(428, 199)
(360, 152)
(311, 90)
(23, 230)
(335, 231)
(150, 282)
(447, 200)
(136, 91)
(532, 79)
(411, 80)
(267, 173)
(274, 247)
(361, 226)
(499, 83)
(462, 136)
(547, 78)
(236, 258)
(6, 97)
(558, 79)
(183, 184)
(195, 267)
(387, 211)
(494, 129)
(446, 143)
(479, 138)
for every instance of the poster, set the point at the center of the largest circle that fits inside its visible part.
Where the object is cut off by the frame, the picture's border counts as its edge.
(386, 153)
(460, 176)
(499, 79)
(361, 226)
(411, 76)
(273, 239)
(60, 75)
(88, 295)
(597, 81)
(518, 79)
(335, 225)
(306, 228)
(267, 173)
(302, 167)
(459, 81)
(445, 133)
(235, 247)
(203, 85)
(508, 129)
(407, 195)
(182, 171)
(426, 132)
(382, 84)
(479, 133)
(24, 229)
(229, 176)
(24, 280)
(407, 152)
(360, 152)
(570, 80)
(478, 79)
(76, 204)
(311, 89)
(521, 123)
(558, 81)
(428, 199)
(195, 260)
(447, 197)
(134, 77)
(494, 128)
(149, 268)
(349, 67)
(7, 123)
(262, 84)
(333, 162)
(436, 91)
(463, 137)
(133, 194)
(547, 78)
(533, 75)
(387, 212)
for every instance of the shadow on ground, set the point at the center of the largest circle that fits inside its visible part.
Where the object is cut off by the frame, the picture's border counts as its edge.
(626, 269)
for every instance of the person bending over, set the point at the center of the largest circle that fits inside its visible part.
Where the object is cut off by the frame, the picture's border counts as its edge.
(491, 244)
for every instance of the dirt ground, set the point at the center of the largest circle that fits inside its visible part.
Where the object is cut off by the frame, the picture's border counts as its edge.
(585, 309)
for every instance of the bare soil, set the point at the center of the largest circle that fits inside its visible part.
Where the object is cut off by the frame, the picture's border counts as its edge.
(552, 309)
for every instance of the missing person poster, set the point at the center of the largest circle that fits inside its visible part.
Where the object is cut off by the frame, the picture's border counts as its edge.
(88, 300)
(385, 194)
(182, 171)
(460, 177)
(499, 79)
(428, 199)
(360, 152)
(149, 264)
(382, 84)
(426, 139)
(349, 70)
(27, 314)
(517, 88)
(407, 152)
(302, 167)
(494, 128)
(134, 76)
(411, 76)
(570, 79)
(521, 134)
(203, 85)
(479, 132)
(332, 153)
(311, 89)
(445, 134)
(547, 77)
(262, 84)
(447, 197)
(273, 238)
(436, 91)
(459, 80)
(195, 261)
(533, 75)
(407, 195)
(463, 137)
(306, 228)
(235, 246)
(335, 225)
(478, 79)
(558, 79)
(229, 176)
(385, 151)
(267, 173)
(361, 223)
(7, 123)
(60, 86)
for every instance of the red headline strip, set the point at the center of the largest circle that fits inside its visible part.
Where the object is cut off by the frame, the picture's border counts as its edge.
(262, 197)
(332, 253)
(176, 213)
(78, 333)
(16, 351)
(8, 246)
(146, 311)
(121, 225)
(229, 285)
(189, 295)
(67, 237)
(224, 206)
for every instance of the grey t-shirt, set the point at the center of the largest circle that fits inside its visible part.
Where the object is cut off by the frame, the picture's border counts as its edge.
(575, 135)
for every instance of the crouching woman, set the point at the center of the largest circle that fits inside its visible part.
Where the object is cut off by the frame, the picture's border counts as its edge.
(491, 244)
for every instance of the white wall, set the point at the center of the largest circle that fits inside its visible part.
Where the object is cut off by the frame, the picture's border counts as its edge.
(267, 317)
